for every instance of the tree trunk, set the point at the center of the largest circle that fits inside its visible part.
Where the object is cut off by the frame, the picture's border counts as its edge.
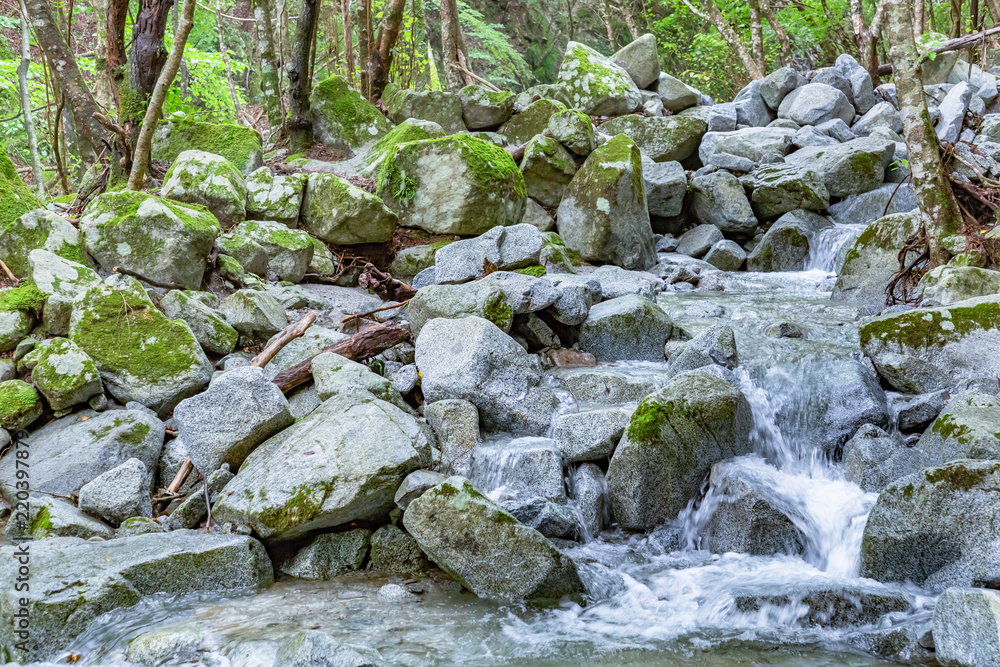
(918, 19)
(605, 11)
(237, 107)
(939, 210)
(715, 16)
(29, 122)
(363, 22)
(68, 77)
(300, 121)
(381, 56)
(757, 36)
(102, 87)
(866, 37)
(148, 51)
(345, 11)
(453, 47)
(143, 145)
(784, 43)
(270, 79)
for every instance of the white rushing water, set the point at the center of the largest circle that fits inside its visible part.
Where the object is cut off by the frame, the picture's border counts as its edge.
(661, 598)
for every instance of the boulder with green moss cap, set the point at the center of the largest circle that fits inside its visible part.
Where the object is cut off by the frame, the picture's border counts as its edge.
(483, 108)
(197, 177)
(547, 168)
(477, 542)
(663, 138)
(240, 145)
(409, 130)
(850, 168)
(163, 240)
(479, 298)
(935, 527)
(54, 517)
(532, 120)
(20, 405)
(944, 285)
(39, 229)
(61, 281)
(210, 329)
(338, 212)
(927, 349)
(603, 213)
(673, 438)
(245, 251)
(785, 245)
(274, 197)
(141, 355)
(289, 251)
(574, 130)
(967, 428)
(19, 309)
(16, 199)
(873, 259)
(360, 450)
(342, 118)
(595, 85)
(440, 106)
(780, 188)
(63, 373)
(453, 185)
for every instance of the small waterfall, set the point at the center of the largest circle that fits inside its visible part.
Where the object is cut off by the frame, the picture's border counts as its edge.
(825, 247)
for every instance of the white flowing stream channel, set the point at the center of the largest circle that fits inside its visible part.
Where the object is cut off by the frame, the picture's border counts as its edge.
(660, 598)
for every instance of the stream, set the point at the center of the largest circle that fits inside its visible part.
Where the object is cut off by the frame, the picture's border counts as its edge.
(660, 598)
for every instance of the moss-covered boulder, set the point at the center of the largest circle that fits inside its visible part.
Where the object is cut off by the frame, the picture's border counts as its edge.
(361, 450)
(61, 281)
(780, 188)
(256, 315)
(532, 120)
(63, 373)
(944, 285)
(20, 405)
(483, 108)
(342, 118)
(274, 197)
(20, 307)
(629, 327)
(16, 199)
(479, 298)
(54, 517)
(927, 349)
(440, 106)
(603, 213)
(785, 245)
(411, 261)
(595, 85)
(240, 145)
(640, 60)
(967, 428)
(674, 437)
(850, 168)
(872, 261)
(210, 329)
(338, 212)
(38, 229)
(574, 130)
(408, 130)
(936, 527)
(162, 240)
(197, 177)
(141, 355)
(289, 251)
(663, 138)
(453, 185)
(478, 543)
(547, 168)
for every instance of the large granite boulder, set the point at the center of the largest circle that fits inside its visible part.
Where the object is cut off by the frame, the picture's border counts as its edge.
(275, 197)
(342, 118)
(595, 85)
(967, 428)
(816, 103)
(627, 327)
(850, 168)
(483, 108)
(945, 285)
(785, 246)
(38, 230)
(873, 259)
(663, 138)
(966, 627)
(639, 59)
(338, 212)
(781, 188)
(240, 145)
(437, 106)
(63, 373)
(718, 199)
(197, 177)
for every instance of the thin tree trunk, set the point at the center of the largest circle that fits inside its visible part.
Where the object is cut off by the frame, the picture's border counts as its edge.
(148, 50)
(29, 121)
(300, 122)
(381, 56)
(956, 18)
(714, 15)
(102, 87)
(784, 42)
(757, 36)
(918, 19)
(605, 11)
(237, 107)
(270, 78)
(67, 76)
(345, 11)
(627, 14)
(939, 210)
(284, 33)
(363, 20)
(143, 145)
(453, 47)
(866, 37)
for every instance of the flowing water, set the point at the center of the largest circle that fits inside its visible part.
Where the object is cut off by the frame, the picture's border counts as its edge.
(660, 598)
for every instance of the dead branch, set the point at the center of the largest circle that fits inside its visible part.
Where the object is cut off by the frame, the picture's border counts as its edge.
(7, 272)
(384, 285)
(154, 283)
(963, 42)
(287, 336)
(182, 473)
(358, 316)
(477, 78)
(362, 345)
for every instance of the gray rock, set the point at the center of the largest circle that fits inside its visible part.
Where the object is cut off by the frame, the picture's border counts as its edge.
(616, 282)
(119, 493)
(393, 551)
(256, 315)
(750, 106)
(437, 106)
(731, 162)
(873, 459)
(576, 295)
(289, 252)
(590, 435)
(606, 386)
(209, 328)
(726, 256)
(595, 85)
(190, 512)
(719, 200)
(837, 129)
(475, 541)
(752, 143)
(851, 168)
(781, 188)
(810, 136)
(629, 327)
(662, 138)
(547, 168)
(315, 648)
(343, 462)
(61, 281)
(481, 299)
(831, 76)
(831, 605)
(945, 285)
(872, 261)
(933, 528)
(53, 517)
(312, 342)
(197, 177)
(414, 486)
(549, 518)
(816, 103)
(574, 130)
(274, 197)
(484, 108)
(674, 94)
(953, 109)
(714, 347)
(718, 117)
(335, 211)
(882, 114)
(785, 246)
(867, 207)
(697, 241)
(524, 293)
(666, 186)
(863, 94)
(121, 573)
(966, 622)
(471, 359)
(215, 433)
(639, 59)
(520, 469)
(778, 84)
(69, 452)
(330, 555)
(456, 425)
(590, 491)
(62, 373)
(667, 451)
(919, 411)
(967, 428)
(508, 248)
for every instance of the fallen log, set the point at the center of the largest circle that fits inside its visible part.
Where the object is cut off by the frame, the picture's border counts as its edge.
(384, 285)
(286, 337)
(362, 345)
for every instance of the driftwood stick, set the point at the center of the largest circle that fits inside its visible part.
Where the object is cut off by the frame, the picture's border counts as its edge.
(10, 274)
(286, 337)
(362, 345)
(384, 285)
(477, 78)
(960, 43)
(182, 473)
(139, 276)
(358, 316)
